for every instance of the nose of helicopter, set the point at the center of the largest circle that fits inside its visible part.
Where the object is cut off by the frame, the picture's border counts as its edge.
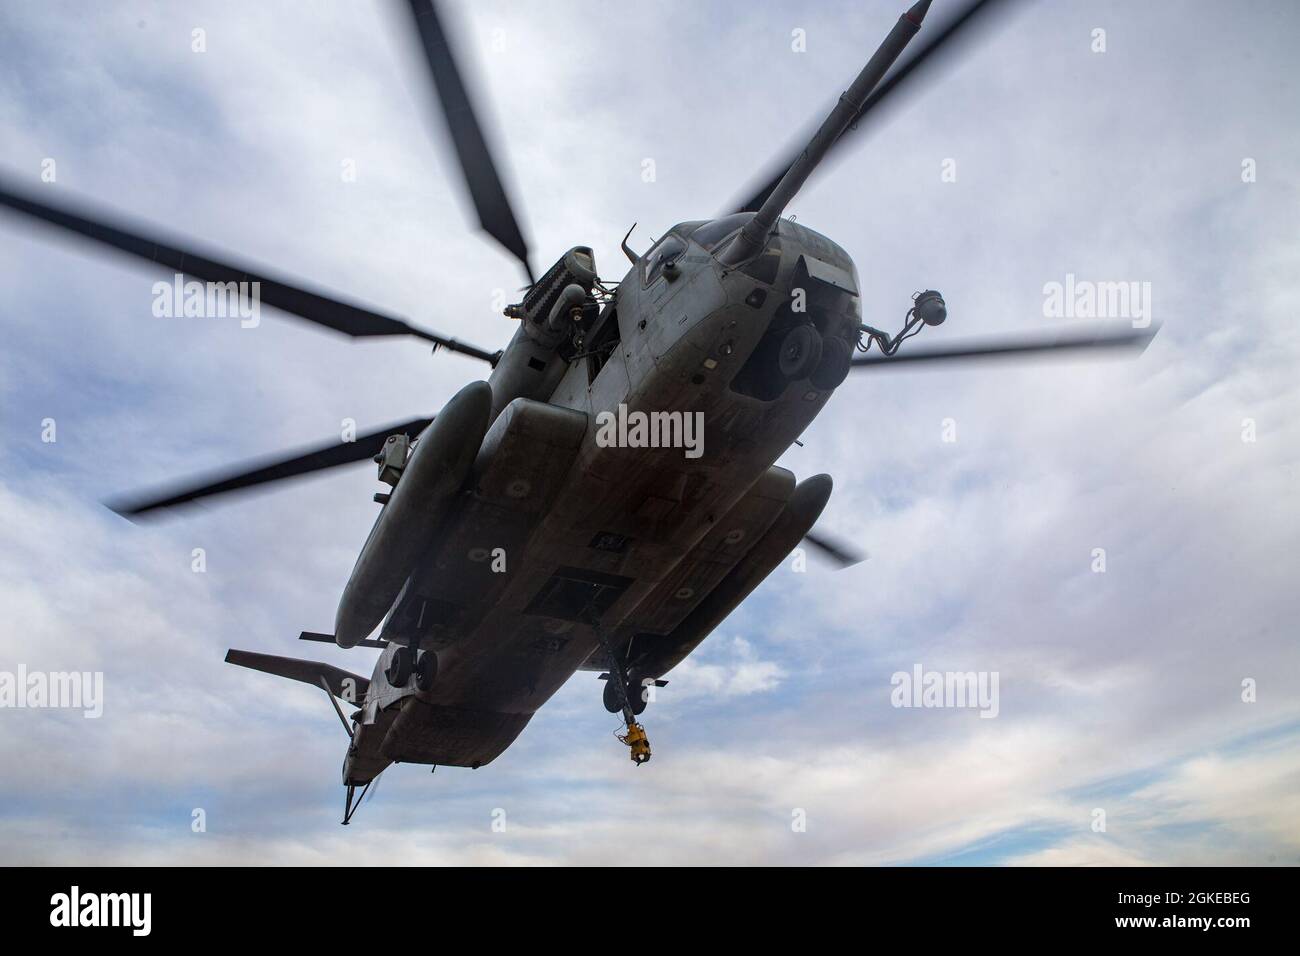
(806, 287)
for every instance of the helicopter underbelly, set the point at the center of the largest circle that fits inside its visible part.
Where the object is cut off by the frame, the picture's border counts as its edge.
(560, 528)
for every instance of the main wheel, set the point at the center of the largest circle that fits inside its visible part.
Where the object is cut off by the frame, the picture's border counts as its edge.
(800, 351)
(636, 695)
(837, 358)
(398, 671)
(426, 669)
(609, 696)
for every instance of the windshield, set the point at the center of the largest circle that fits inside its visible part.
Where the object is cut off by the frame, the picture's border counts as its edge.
(668, 249)
(711, 234)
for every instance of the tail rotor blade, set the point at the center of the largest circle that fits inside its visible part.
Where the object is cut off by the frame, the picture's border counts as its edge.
(495, 213)
(252, 474)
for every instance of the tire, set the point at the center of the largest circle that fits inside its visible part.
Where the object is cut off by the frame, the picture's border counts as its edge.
(799, 353)
(426, 670)
(398, 671)
(837, 359)
(636, 695)
(609, 697)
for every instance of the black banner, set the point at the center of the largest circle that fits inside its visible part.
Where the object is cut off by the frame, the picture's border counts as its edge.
(348, 906)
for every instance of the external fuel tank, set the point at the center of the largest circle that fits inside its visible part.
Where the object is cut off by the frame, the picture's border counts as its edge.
(435, 472)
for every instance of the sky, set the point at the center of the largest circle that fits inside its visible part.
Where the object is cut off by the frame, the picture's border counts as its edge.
(1148, 713)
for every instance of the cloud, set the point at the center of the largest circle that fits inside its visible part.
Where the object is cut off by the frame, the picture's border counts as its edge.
(726, 670)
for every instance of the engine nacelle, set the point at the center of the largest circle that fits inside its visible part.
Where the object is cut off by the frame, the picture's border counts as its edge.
(571, 279)
(436, 471)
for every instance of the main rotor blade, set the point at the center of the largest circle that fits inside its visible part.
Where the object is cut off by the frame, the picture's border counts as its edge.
(973, 12)
(1048, 344)
(252, 474)
(352, 320)
(374, 787)
(843, 555)
(495, 214)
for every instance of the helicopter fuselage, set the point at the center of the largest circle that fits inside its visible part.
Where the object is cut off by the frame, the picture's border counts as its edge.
(572, 520)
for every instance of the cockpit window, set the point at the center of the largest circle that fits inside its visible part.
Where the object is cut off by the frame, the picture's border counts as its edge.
(711, 234)
(667, 250)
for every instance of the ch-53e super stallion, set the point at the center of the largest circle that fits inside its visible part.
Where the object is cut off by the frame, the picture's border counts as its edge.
(548, 520)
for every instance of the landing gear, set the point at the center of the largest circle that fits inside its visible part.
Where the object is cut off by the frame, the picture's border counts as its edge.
(634, 692)
(352, 801)
(799, 353)
(426, 669)
(618, 689)
(407, 661)
(610, 696)
(398, 671)
(833, 369)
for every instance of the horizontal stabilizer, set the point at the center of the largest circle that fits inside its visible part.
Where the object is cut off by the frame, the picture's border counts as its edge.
(309, 672)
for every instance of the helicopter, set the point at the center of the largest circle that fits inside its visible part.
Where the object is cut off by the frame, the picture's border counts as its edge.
(610, 493)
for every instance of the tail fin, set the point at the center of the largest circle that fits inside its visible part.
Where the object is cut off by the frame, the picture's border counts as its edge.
(343, 684)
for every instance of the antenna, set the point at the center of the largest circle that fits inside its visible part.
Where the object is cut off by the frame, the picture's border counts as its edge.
(632, 257)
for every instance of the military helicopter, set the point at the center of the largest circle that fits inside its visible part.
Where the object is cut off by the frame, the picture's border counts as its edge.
(564, 515)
